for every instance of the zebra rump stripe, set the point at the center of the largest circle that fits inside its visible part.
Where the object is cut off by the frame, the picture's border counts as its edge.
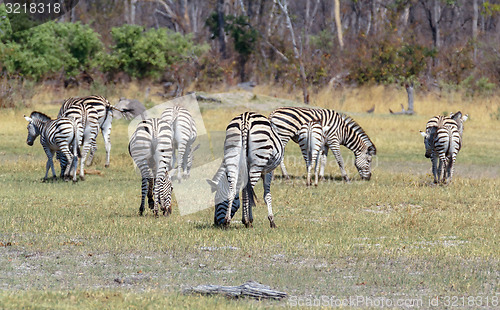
(339, 129)
(252, 150)
(443, 141)
(311, 141)
(184, 134)
(55, 135)
(88, 128)
(105, 117)
(151, 147)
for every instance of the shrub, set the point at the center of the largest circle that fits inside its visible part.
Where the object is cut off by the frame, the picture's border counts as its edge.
(148, 53)
(49, 48)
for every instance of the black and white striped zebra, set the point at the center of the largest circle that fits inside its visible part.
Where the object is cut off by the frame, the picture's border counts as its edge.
(443, 141)
(151, 147)
(55, 135)
(252, 150)
(339, 129)
(88, 129)
(311, 140)
(184, 135)
(105, 117)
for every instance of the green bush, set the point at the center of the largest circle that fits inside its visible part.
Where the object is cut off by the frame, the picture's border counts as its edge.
(49, 48)
(141, 53)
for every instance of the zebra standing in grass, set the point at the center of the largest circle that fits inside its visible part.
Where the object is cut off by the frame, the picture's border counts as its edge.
(55, 135)
(252, 150)
(184, 134)
(88, 128)
(339, 129)
(311, 141)
(443, 141)
(151, 147)
(105, 117)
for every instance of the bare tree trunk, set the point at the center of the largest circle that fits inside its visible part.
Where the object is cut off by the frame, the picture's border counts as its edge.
(338, 23)
(474, 29)
(283, 4)
(220, 21)
(436, 16)
(409, 90)
(132, 11)
(309, 20)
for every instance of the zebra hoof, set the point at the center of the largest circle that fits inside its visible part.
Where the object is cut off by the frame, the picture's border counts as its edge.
(272, 224)
(106, 166)
(82, 178)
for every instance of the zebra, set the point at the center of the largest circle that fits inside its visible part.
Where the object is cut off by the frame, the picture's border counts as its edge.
(55, 135)
(443, 141)
(184, 134)
(339, 129)
(312, 141)
(105, 117)
(150, 147)
(88, 128)
(252, 150)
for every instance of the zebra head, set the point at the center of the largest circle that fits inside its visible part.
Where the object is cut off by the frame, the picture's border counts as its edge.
(163, 194)
(460, 119)
(34, 122)
(220, 186)
(363, 162)
(428, 141)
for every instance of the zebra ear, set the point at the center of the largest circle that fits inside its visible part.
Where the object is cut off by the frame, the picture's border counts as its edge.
(372, 150)
(212, 184)
(465, 117)
(424, 134)
(28, 118)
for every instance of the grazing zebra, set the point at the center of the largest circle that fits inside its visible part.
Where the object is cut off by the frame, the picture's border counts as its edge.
(443, 141)
(105, 117)
(339, 129)
(184, 134)
(151, 147)
(312, 141)
(252, 150)
(88, 128)
(55, 135)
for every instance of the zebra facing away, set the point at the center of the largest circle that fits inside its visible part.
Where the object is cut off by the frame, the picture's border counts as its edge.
(252, 150)
(311, 140)
(105, 117)
(443, 141)
(55, 135)
(184, 134)
(151, 147)
(88, 128)
(339, 129)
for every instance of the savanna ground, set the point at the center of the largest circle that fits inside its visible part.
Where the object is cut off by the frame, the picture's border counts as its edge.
(396, 237)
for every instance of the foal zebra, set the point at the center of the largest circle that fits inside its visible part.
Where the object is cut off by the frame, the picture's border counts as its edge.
(105, 117)
(311, 140)
(184, 134)
(88, 128)
(55, 135)
(252, 150)
(339, 129)
(443, 141)
(151, 147)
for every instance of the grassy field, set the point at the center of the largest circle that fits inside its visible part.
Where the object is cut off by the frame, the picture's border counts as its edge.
(396, 237)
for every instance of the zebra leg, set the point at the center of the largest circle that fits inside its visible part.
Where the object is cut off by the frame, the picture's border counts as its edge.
(451, 168)
(106, 132)
(151, 182)
(317, 164)
(246, 214)
(340, 162)
(49, 164)
(323, 162)
(267, 197)
(144, 190)
(283, 169)
(434, 161)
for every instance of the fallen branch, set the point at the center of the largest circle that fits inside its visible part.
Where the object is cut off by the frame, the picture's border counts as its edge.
(249, 289)
(403, 111)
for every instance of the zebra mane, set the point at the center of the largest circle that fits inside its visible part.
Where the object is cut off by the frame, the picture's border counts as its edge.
(351, 123)
(40, 116)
